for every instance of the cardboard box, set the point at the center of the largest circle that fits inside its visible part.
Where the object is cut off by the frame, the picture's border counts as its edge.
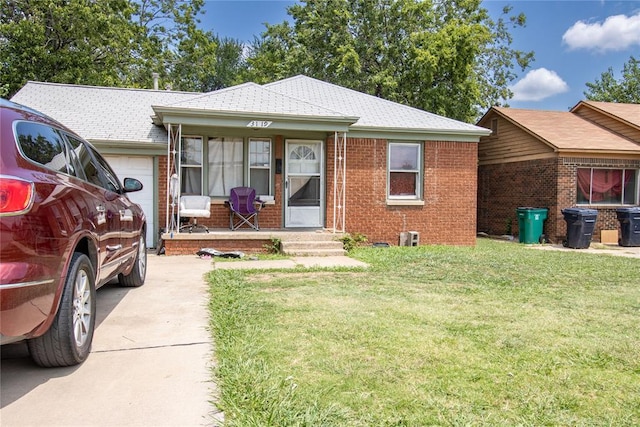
(609, 237)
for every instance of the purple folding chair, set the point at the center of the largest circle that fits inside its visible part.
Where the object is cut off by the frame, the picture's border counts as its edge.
(243, 202)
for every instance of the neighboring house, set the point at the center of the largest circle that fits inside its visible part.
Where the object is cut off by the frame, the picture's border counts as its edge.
(325, 156)
(586, 157)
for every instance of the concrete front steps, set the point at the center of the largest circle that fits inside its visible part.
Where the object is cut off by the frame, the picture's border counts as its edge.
(312, 244)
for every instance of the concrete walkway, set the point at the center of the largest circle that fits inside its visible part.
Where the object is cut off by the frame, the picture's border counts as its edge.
(293, 262)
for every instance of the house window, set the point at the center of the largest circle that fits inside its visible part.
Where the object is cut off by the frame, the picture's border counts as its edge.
(404, 170)
(191, 165)
(226, 157)
(607, 186)
(260, 166)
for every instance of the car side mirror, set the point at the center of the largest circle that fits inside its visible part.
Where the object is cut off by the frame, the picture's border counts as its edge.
(131, 185)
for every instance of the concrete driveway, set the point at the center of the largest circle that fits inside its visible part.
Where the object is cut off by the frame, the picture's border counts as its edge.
(150, 363)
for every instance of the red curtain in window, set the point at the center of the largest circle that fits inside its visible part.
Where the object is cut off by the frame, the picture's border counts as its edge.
(606, 184)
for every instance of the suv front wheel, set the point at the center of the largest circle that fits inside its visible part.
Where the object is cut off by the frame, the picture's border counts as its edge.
(139, 271)
(68, 340)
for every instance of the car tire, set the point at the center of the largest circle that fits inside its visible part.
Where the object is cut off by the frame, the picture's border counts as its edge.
(68, 340)
(139, 271)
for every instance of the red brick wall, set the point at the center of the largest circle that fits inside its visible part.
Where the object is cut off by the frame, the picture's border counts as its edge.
(548, 183)
(502, 188)
(449, 186)
(191, 247)
(607, 218)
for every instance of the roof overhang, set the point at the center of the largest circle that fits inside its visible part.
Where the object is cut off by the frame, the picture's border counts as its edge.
(242, 119)
(418, 134)
(618, 154)
(141, 148)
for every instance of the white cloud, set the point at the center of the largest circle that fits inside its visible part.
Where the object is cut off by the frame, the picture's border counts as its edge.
(617, 32)
(537, 85)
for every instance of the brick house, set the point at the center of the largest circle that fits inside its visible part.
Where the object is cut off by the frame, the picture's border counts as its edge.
(325, 157)
(586, 157)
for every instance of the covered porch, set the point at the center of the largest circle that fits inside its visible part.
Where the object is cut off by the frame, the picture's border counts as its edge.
(295, 162)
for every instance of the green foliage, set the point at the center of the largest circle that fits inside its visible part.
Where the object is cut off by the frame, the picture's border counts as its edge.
(509, 227)
(71, 41)
(495, 335)
(351, 241)
(275, 246)
(625, 90)
(446, 57)
(113, 43)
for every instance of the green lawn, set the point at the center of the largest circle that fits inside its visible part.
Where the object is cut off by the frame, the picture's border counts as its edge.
(499, 334)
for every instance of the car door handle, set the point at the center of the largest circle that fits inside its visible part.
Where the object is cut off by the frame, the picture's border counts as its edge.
(126, 215)
(114, 247)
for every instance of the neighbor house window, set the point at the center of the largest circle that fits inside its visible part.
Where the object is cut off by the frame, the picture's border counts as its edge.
(260, 166)
(226, 157)
(191, 165)
(607, 186)
(404, 170)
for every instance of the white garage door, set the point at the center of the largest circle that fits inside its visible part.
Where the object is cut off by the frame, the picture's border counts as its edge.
(140, 168)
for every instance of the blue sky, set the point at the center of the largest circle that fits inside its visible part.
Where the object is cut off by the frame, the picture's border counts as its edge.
(574, 41)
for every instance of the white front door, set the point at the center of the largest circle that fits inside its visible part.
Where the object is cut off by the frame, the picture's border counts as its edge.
(304, 183)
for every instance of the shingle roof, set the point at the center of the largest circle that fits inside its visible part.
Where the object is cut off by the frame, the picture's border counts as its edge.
(373, 112)
(629, 113)
(119, 114)
(101, 113)
(567, 131)
(253, 98)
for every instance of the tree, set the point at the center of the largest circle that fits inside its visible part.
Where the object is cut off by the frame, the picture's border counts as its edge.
(204, 62)
(447, 57)
(71, 41)
(625, 90)
(191, 59)
(112, 43)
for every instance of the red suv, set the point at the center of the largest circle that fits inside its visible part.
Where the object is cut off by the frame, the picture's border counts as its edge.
(66, 228)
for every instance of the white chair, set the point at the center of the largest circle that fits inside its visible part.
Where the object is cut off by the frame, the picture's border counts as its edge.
(195, 207)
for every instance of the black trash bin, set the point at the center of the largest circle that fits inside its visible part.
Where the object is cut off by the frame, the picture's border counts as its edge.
(580, 225)
(629, 226)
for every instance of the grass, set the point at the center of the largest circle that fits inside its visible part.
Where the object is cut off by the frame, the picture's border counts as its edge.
(499, 334)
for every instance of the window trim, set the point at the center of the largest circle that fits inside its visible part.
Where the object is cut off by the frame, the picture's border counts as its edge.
(622, 195)
(269, 167)
(200, 166)
(406, 199)
(206, 153)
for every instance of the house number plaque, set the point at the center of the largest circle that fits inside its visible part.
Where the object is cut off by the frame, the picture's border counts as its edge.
(259, 124)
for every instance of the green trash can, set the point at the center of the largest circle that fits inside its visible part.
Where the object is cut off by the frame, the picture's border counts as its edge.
(531, 224)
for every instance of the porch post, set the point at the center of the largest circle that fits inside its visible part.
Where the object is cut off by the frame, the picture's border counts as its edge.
(173, 167)
(339, 180)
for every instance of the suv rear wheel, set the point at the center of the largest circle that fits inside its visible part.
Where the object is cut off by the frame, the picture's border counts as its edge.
(68, 340)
